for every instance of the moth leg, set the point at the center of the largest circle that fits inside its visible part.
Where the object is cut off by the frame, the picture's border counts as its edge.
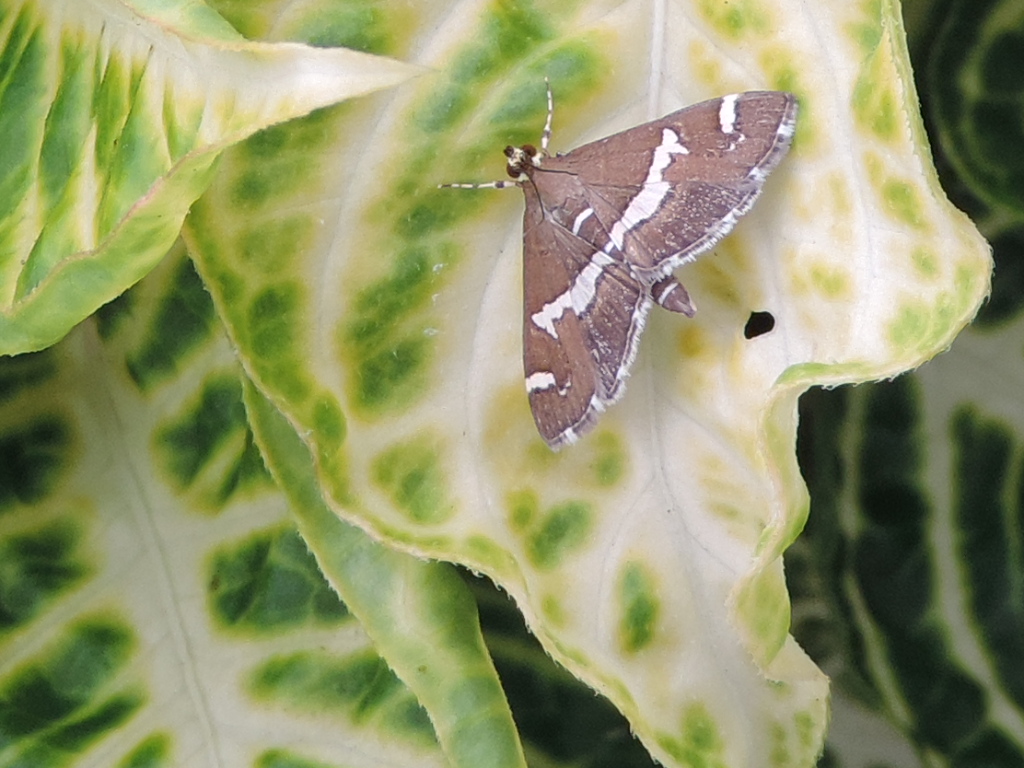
(670, 294)
(504, 184)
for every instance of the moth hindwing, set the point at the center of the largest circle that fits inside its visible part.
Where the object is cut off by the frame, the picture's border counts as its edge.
(606, 225)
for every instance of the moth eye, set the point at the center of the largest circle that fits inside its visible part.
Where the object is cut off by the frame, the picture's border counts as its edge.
(513, 170)
(758, 324)
(529, 150)
(509, 151)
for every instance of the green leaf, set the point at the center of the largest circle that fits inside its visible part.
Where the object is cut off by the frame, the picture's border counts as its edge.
(910, 569)
(112, 116)
(376, 318)
(157, 605)
(977, 100)
(417, 612)
(380, 316)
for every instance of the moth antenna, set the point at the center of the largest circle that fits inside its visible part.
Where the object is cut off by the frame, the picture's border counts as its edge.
(486, 185)
(546, 136)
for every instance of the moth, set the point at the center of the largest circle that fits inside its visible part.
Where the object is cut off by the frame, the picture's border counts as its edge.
(607, 224)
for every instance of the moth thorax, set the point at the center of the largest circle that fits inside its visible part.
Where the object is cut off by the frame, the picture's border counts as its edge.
(520, 159)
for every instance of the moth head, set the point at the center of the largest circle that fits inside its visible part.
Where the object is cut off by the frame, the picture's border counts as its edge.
(520, 159)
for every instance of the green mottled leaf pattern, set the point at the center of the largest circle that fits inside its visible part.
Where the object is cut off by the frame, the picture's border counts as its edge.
(112, 115)
(156, 602)
(910, 574)
(468, 708)
(978, 99)
(381, 316)
(318, 393)
(932, 571)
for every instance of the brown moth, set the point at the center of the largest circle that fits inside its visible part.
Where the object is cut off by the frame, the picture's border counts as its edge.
(606, 225)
